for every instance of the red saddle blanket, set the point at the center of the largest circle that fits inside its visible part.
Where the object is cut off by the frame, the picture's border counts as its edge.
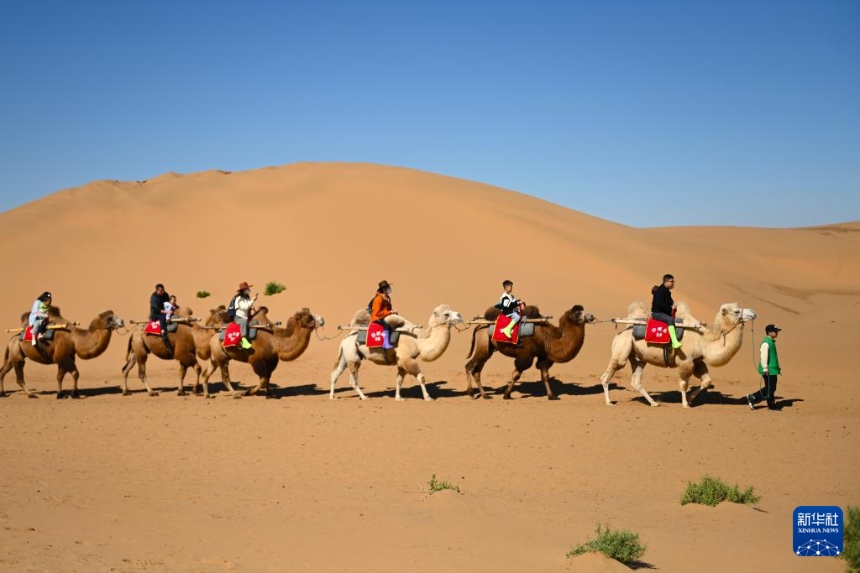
(657, 332)
(28, 334)
(375, 335)
(233, 335)
(153, 327)
(501, 323)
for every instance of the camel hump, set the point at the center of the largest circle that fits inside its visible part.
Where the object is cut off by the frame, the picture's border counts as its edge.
(361, 318)
(532, 311)
(492, 313)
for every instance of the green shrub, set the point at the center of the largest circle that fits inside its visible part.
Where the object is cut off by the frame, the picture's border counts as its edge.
(203, 294)
(851, 552)
(623, 545)
(713, 491)
(439, 485)
(273, 288)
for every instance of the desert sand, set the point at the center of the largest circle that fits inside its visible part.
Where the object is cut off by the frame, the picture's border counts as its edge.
(301, 483)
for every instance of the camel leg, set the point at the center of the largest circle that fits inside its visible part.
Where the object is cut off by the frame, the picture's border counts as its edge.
(75, 376)
(636, 381)
(700, 370)
(183, 370)
(7, 366)
(544, 376)
(339, 368)
(225, 377)
(398, 382)
(61, 373)
(353, 379)
(19, 379)
(520, 366)
(126, 370)
(141, 373)
(606, 377)
(473, 372)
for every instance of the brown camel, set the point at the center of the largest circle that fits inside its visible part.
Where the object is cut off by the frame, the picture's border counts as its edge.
(67, 345)
(549, 345)
(190, 341)
(271, 345)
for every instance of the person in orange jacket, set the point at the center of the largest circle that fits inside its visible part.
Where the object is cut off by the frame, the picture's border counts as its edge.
(380, 307)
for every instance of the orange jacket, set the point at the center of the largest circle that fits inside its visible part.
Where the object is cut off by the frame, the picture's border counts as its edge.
(381, 307)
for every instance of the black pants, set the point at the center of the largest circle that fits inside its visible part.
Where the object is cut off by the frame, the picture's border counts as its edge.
(662, 317)
(768, 392)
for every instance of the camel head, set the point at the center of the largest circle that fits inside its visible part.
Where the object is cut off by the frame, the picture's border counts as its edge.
(577, 315)
(732, 314)
(443, 314)
(110, 320)
(306, 319)
(218, 315)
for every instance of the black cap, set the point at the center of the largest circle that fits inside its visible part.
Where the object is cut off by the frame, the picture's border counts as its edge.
(771, 328)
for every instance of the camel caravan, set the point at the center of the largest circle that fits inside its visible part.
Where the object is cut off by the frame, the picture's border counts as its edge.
(667, 336)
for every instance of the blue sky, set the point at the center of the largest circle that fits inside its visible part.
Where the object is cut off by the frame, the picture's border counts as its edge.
(642, 112)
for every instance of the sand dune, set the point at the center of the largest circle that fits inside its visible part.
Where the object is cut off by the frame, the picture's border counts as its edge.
(350, 498)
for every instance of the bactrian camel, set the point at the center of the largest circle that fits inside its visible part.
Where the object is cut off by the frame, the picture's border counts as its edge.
(67, 345)
(709, 346)
(549, 345)
(428, 344)
(271, 345)
(189, 342)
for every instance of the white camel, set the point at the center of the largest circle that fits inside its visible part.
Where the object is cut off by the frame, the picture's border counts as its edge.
(428, 344)
(713, 346)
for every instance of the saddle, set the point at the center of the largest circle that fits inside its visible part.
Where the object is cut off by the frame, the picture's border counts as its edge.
(153, 327)
(372, 337)
(232, 334)
(519, 331)
(27, 335)
(657, 331)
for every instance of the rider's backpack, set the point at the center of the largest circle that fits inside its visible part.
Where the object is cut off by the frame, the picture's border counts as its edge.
(231, 309)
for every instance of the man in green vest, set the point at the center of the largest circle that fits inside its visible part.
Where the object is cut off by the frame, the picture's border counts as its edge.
(768, 367)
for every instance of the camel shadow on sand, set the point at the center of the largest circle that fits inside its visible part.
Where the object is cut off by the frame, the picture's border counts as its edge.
(710, 397)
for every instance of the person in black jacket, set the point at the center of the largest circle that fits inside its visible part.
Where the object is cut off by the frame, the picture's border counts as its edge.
(663, 306)
(157, 310)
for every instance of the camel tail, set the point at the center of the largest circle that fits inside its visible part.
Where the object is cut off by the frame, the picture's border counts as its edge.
(6, 356)
(339, 357)
(474, 343)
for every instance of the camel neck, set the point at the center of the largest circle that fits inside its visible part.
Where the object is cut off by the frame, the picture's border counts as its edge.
(291, 346)
(434, 342)
(723, 344)
(93, 341)
(563, 342)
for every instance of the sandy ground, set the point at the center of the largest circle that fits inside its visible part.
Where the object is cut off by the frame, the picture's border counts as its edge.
(300, 483)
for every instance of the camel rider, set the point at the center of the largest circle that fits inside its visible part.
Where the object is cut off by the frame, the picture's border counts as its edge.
(39, 316)
(157, 312)
(380, 307)
(510, 307)
(663, 307)
(244, 310)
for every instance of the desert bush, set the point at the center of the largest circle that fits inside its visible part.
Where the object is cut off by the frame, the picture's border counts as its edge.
(203, 294)
(273, 288)
(621, 545)
(851, 552)
(436, 485)
(713, 491)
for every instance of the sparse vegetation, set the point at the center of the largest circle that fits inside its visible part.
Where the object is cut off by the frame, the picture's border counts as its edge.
(273, 288)
(203, 294)
(851, 552)
(713, 491)
(621, 545)
(437, 485)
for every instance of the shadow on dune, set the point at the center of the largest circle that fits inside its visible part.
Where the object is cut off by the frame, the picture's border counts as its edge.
(710, 396)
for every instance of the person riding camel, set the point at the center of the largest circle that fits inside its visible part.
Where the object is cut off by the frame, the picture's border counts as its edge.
(39, 316)
(380, 308)
(511, 307)
(157, 304)
(243, 310)
(663, 307)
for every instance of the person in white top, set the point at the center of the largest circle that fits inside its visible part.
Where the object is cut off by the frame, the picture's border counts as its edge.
(769, 369)
(244, 310)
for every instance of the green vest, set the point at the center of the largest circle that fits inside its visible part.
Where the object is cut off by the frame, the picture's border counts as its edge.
(772, 357)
